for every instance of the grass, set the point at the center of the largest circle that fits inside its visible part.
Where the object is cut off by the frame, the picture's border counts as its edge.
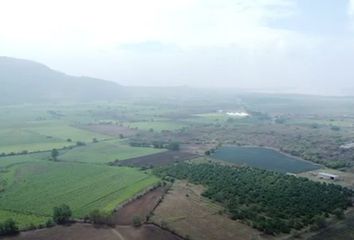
(43, 138)
(35, 147)
(24, 221)
(18, 140)
(36, 187)
(65, 132)
(105, 152)
(213, 116)
(157, 126)
(9, 161)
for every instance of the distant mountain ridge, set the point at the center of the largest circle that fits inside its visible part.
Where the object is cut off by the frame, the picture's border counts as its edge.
(25, 81)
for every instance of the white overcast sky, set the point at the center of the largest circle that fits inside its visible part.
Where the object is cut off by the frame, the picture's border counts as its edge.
(277, 45)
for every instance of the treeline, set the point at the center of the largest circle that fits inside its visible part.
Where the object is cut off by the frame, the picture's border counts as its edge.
(8, 227)
(269, 201)
(173, 146)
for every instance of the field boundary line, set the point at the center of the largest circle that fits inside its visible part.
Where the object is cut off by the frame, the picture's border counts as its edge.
(115, 232)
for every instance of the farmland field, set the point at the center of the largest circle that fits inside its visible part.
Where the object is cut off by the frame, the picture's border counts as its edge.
(158, 159)
(35, 188)
(24, 220)
(263, 158)
(65, 132)
(105, 152)
(82, 176)
(90, 232)
(9, 161)
(18, 140)
(157, 126)
(185, 211)
(43, 138)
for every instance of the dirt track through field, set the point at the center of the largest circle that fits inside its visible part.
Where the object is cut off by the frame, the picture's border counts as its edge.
(140, 207)
(115, 232)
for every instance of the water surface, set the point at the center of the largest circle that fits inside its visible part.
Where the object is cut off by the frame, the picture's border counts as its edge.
(264, 158)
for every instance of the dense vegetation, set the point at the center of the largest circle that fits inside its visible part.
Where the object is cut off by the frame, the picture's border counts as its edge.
(62, 214)
(8, 227)
(269, 201)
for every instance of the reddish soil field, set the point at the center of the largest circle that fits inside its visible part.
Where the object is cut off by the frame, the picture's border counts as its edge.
(196, 148)
(73, 232)
(158, 159)
(140, 207)
(110, 129)
(89, 232)
(146, 232)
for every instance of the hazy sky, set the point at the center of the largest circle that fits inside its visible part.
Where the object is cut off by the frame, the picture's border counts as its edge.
(287, 45)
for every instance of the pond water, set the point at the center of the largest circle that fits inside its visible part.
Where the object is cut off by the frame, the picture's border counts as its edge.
(264, 158)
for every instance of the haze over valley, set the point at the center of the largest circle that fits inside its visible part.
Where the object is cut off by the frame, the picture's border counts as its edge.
(176, 120)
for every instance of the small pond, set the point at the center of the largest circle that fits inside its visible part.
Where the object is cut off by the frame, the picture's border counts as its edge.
(264, 158)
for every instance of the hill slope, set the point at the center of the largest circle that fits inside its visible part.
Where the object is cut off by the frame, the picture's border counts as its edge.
(24, 81)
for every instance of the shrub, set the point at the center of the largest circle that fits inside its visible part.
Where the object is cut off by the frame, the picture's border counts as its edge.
(136, 221)
(49, 223)
(78, 143)
(98, 217)
(8, 227)
(339, 213)
(62, 214)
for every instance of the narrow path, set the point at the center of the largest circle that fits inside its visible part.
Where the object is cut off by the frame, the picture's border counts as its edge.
(115, 232)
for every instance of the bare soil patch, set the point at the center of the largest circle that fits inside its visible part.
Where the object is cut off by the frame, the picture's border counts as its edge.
(158, 159)
(89, 232)
(72, 232)
(194, 148)
(146, 232)
(140, 207)
(184, 211)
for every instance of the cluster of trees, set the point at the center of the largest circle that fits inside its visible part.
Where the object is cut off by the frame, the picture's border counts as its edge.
(99, 217)
(269, 201)
(173, 146)
(8, 227)
(62, 214)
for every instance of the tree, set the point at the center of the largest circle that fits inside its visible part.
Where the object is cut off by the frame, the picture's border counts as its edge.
(79, 144)
(339, 213)
(8, 227)
(174, 146)
(98, 217)
(54, 154)
(136, 221)
(319, 222)
(62, 214)
(49, 223)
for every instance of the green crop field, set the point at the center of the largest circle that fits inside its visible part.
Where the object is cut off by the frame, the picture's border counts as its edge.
(42, 138)
(33, 188)
(24, 220)
(105, 152)
(18, 140)
(65, 132)
(157, 126)
(6, 162)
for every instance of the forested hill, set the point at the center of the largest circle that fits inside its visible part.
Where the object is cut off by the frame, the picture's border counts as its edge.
(24, 81)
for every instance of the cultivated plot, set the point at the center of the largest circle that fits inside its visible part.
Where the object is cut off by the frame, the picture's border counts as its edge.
(105, 152)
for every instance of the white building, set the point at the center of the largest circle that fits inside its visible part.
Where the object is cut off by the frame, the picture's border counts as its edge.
(324, 175)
